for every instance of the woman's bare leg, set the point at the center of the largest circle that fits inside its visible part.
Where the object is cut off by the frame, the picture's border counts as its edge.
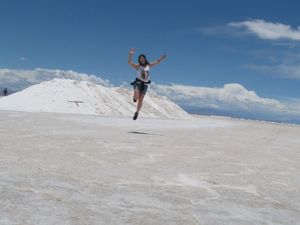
(136, 95)
(140, 102)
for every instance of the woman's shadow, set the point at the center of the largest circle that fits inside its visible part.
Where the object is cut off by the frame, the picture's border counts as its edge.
(143, 133)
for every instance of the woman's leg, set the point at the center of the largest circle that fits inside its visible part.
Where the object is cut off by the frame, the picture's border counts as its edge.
(140, 102)
(139, 96)
(136, 94)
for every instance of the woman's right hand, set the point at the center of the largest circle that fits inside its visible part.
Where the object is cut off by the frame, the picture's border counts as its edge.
(130, 55)
(132, 51)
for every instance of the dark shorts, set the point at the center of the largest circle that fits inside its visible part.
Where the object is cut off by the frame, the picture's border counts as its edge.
(142, 87)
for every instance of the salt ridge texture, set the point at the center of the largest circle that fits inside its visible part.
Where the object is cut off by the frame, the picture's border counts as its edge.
(84, 97)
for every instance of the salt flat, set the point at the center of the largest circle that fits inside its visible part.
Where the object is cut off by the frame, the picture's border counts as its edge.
(85, 169)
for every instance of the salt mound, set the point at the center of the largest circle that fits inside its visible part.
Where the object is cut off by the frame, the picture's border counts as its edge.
(84, 97)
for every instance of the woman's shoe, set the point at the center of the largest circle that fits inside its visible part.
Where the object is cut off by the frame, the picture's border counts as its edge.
(135, 115)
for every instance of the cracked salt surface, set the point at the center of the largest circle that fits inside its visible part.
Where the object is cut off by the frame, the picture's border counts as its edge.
(82, 169)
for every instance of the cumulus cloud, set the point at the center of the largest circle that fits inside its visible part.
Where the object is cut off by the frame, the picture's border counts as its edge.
(230, 99)
(231, 95)
(281, 62)
(19, 79)
(269, 30)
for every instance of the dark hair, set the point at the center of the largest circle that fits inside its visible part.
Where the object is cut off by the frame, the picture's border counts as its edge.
(146, 61)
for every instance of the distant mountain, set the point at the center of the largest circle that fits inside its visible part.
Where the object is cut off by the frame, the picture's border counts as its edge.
(85, 97)
(233, 100)
(241, 114)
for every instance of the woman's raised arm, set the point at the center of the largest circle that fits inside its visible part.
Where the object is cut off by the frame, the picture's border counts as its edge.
(158, 61)
(131, 52)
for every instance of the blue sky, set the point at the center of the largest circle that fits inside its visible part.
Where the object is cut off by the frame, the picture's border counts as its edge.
(208, 43)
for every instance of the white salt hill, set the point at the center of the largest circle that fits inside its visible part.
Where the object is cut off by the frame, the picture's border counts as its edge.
(84, 97)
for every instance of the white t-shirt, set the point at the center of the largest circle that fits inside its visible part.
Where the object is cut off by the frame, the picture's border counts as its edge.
(143, 73)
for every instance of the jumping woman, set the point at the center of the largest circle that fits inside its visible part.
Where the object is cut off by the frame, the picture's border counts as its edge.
(140, 85)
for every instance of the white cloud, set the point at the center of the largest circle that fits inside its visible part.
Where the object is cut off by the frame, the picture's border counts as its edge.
(229, 95)
(23, 59)
(230, 98)
(269, 30)
(20, 79)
